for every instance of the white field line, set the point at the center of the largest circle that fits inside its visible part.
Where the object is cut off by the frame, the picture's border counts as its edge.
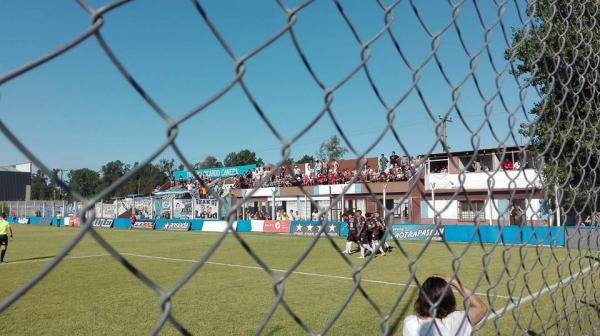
(284, 271)
(562, 282)
(50, 258)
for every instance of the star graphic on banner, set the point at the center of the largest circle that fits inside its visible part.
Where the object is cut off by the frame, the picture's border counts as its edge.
(332, 228)
(299, 228)
(309, 227)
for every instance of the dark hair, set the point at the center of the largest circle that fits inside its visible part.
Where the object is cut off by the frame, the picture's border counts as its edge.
(435, 290)
(3, 214)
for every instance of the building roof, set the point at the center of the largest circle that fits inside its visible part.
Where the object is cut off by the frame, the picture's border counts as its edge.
(10, 169)
(17, 168)
(479, 151)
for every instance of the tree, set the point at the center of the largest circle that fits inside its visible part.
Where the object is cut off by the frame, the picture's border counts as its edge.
(331, 150)
(209, 162)
(306, 159)
(111, 172)
(40, 189)
(145, 180)
(241, 158)
(84, 181)
(556, 56)
(167, 167)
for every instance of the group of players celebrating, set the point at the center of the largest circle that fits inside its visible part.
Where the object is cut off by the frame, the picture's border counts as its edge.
(367, 232)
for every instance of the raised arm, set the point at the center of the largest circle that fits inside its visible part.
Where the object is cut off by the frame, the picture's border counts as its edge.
(477, 309)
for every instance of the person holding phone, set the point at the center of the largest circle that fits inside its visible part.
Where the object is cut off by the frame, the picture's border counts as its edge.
(436, 312)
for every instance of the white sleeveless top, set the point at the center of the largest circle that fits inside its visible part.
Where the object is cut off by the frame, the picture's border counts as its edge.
(456, 323)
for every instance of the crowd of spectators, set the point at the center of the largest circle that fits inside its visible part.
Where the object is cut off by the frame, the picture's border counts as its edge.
(317, 172)
(390, 168)
(218, 186)
(329, 172)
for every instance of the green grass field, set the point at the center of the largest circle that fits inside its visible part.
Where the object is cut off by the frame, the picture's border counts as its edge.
(94, 295)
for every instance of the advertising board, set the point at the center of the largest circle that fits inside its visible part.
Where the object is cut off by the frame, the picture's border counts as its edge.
(417, 232)
(312, 229)
(275, 226)
(177, 226)
(143, 225)
(103, 222)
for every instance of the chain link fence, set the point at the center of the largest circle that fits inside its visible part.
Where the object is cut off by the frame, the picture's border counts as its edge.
(552, 55)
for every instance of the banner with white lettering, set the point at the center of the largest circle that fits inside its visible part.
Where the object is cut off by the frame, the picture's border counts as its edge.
(206, 208)
(102, 222)
(214, 172)
(177, 226)
(417, 232)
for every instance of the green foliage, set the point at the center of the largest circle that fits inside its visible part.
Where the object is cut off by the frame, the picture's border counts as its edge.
(167, 167)
(331, 150)
(306, 159)
(111, 172)
(558, 56)
(144, 181)
(40, 189)
(209, 162)
(243, 157)
(43, 188)
(84, 181)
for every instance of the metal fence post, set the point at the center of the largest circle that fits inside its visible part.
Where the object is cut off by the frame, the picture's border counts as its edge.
(193, 207)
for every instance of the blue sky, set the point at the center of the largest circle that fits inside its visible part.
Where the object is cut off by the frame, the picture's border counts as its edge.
(78, 111)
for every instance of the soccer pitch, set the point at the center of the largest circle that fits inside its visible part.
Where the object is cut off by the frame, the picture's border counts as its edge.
(90, 293)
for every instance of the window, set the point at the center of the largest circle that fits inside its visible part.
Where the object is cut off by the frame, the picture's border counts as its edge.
(438, 165)
(401, 209)
(468, 210)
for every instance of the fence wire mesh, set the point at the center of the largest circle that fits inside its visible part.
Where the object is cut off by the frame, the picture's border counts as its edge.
(552, 55)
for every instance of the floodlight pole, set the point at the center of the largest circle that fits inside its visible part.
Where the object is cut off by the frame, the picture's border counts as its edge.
(273, 217)
(330, 205)
(384, 212)
(491, 203)
(306, 207)
(243, 204)
(432, 185)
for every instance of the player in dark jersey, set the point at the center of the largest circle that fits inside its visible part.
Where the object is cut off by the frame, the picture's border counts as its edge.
(352, 233)
(375, 235)
(364, 234)
(382, 228)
